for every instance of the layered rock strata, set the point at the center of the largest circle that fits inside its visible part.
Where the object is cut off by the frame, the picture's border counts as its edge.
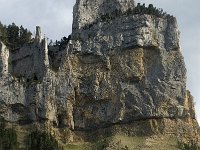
(117, 71)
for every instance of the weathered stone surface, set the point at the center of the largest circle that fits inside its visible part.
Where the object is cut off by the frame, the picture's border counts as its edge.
(129, 68)
(4, 56)
(86, 12)
(121, 71)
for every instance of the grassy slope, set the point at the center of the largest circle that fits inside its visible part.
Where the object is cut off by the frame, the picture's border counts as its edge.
(122, 142)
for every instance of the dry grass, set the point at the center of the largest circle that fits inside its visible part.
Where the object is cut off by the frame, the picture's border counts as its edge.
(122, 142)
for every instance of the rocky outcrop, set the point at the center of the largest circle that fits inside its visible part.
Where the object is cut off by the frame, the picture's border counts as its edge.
(30, 61)
(121, 73)
(4, 58)
(129, 68)
(87, 12)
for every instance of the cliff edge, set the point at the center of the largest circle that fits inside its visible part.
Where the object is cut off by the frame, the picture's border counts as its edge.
(121, 79)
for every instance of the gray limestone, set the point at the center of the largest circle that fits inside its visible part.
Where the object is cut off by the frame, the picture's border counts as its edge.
(86, 12)
(118, 71)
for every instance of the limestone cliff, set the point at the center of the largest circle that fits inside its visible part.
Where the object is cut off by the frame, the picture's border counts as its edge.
(121, 75)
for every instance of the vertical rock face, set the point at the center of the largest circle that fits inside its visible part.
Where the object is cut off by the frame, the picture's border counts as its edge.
(4, 55)
(38, 35)
(119, 68)
(88, 11)
(25, 82)
(30, 61)
(130, 67)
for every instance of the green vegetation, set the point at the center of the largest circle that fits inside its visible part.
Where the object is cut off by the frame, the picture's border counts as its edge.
(129, 142)
(62, 43)
(34, 141)
(98, 145)
(8, 137)
(13, 36)
(55, 51)
(150, 10)
(188, 146)
(139, 9)
(42, 141)
(78, 146)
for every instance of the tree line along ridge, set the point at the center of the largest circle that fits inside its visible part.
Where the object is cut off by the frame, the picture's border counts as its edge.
(139, 9)
(14, 37)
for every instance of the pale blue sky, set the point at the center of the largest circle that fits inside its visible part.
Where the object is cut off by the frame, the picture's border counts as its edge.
(55, 17)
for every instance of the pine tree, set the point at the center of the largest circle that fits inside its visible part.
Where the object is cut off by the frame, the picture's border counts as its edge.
(13, 36)
(3, 33)
(24, 36)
